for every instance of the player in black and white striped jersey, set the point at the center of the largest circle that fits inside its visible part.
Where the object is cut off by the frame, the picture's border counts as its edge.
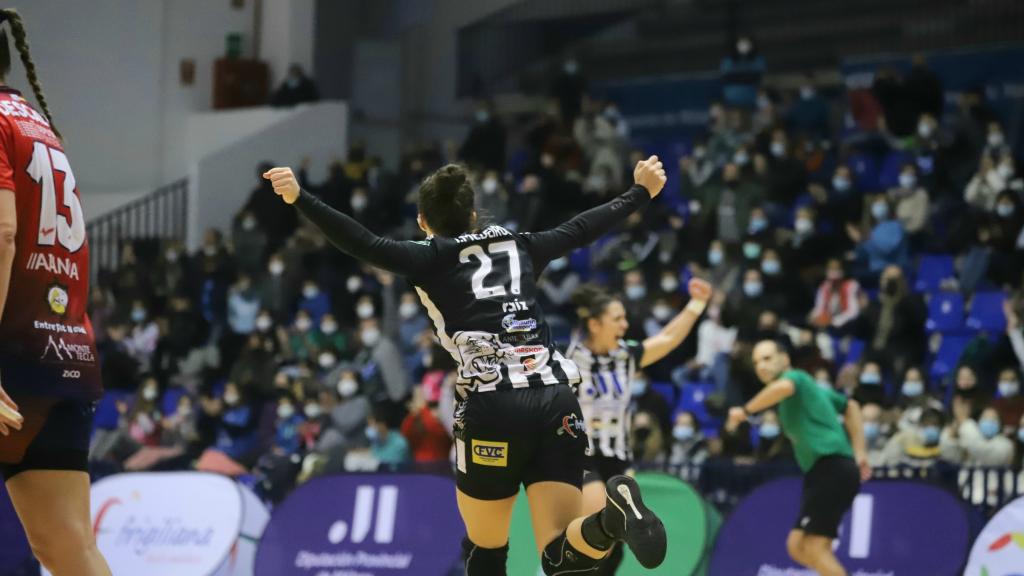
(608, 365)
(517, 419)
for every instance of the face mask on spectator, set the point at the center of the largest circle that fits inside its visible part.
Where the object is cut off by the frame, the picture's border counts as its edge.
(715, 257)
(347, 387)
(303, 324)
(482, 116)
(698, 153)
(370, 337)
(263, 323)
(358, 202)
(371, 433)
(930, 435)
(558, 264)
(751, 250)
(778, 149)
(840, 184)
(757, 225)
(1008, 388)
(149, 394)
(326, 360)
(682, 433)
(329, 327)
(171, 256)
(1005, 171)
(741, 158)
(824, 384)
(276, 267)
(489, 185)
(661, 312)
(871, 430)
(138, 315)
(1004, 209)
(285, 411)
(248, 223)
(184, 411)
(880, 210)
(907, 180)
(752, 289)
(638, 387)
(636, 292)
(771, 267)
(913, 388)
(407, 310)
(803, 226)
(924, 129)
(210, 250)
(1020, 434)
(310, 291)
(807, 92)
(669, 284)
(353, 284)
(231, 398)
(364, 311)
(768, 430)
(989, 428)
(311, 411)
(995, 139)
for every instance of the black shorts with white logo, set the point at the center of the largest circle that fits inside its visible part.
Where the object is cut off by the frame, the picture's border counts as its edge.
(829, 489)
(54, 436)
(521, 436)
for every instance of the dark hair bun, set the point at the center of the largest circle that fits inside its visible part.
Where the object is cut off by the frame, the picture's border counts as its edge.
(447, 201)
(449, 179)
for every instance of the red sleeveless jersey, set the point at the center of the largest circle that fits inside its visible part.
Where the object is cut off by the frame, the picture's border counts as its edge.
(46, 339)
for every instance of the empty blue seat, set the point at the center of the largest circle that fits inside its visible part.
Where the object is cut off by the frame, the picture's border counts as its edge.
(945, 313)
(854, 351)
(932, 269)
(864, 170)
(892, 165)
(987, 312)
(106, 409)
(948, 355)
(169, 405)
(667, 390)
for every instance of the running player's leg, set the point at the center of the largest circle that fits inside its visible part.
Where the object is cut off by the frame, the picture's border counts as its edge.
(817, 551)
(594, 497)
(795, 547)
(53, 506)
(487, 525)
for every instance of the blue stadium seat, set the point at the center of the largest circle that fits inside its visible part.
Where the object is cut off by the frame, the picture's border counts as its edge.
(169, 405)
(987, 312)
(864, 169)
(667, 391)
(579, 261)
(889, 173)
(932, 269)
(854, 351)
(948, 355)
(106, 410)
(945, 313)
(692, 399)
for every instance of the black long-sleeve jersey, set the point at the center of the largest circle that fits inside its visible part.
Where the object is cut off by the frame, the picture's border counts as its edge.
(480, 288)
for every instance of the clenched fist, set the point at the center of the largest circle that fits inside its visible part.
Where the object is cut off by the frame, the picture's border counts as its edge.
(285, 184)
(699, 289)
(650, 174)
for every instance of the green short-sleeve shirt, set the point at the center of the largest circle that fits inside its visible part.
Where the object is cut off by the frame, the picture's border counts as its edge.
(810, 419)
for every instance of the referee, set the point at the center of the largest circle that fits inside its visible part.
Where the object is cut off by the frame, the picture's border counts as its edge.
(834, 461)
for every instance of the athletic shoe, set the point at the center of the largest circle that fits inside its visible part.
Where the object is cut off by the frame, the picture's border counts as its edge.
(627, 519)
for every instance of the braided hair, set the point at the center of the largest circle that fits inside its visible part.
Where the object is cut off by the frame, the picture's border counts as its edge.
(13, 18)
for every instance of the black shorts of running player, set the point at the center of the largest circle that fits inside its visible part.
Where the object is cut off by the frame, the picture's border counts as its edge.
(829, 489)
(54, 436)
(519, 436)
(599, 468)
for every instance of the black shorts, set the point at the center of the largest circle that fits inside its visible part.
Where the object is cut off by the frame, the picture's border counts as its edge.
(829, 489)
(54, 436)
(520, 436)
(600, 468)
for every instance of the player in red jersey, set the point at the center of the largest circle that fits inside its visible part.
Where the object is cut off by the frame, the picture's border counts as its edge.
(49, 372)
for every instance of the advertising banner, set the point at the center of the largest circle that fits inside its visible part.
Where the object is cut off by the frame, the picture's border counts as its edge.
(176, 524)
(999, 549)
(14, 551)
(364, 525)
(691, 525)
(895, 528)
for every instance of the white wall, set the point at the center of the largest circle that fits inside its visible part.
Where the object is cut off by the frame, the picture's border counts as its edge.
(287, 36)
(222, 181)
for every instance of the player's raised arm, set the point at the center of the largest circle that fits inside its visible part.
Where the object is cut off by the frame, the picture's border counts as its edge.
(348, 235)
(649, 179)
(769, 396)
(672, 335)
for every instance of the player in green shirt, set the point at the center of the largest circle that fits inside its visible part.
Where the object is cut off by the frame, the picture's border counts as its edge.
(834, 460)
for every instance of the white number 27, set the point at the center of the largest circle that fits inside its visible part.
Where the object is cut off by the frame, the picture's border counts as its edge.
(54, 227)
(508, 247)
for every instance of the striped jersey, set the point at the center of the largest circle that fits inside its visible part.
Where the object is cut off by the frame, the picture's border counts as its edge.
(480, 288)
(605, 395)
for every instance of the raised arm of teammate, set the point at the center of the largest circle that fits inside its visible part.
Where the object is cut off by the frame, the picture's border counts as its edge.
(9, 416)
(649, 178)
(672, 335)
(854, 424)
(348, 235)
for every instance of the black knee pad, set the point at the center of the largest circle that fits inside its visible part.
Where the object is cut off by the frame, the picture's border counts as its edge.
(484, 561)
(560, 558)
